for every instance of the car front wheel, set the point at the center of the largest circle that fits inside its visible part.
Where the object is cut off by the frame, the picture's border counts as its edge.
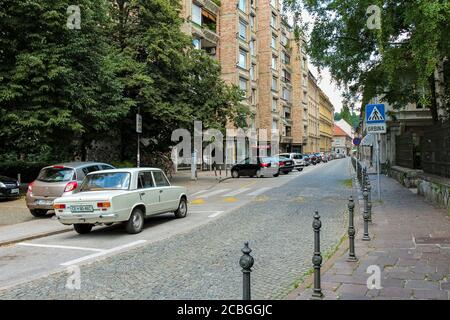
(235, 174)
(136, 222)
(38, 212)
(182, 209)
(82, 228)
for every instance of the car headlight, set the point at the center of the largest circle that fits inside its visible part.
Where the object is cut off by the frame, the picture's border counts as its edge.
(2, 185)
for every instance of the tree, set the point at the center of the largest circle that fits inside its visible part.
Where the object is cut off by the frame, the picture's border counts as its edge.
(58, 87)
(167, 80)
(397, 61)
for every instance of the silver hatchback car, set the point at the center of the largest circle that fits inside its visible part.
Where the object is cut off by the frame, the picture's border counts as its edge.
(56, 181)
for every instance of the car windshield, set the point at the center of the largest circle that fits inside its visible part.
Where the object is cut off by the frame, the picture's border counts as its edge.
(56, 174)
(106, 181)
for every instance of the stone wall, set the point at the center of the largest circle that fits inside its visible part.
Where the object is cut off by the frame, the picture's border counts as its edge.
(435, 189)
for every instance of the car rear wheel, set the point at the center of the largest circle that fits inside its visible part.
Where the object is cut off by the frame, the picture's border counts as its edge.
(276, 174)
(300, 169)
(136, 222)
(38, 212)
(82, 228)
(182, 209)
(235, 174)
(285, 172)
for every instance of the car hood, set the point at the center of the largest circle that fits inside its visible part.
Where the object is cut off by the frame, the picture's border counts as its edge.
(90, 196)
(7, 179)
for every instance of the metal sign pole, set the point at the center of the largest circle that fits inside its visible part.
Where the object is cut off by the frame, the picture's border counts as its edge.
(378, 166)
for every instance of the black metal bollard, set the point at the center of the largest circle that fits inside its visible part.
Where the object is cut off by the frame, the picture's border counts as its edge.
(317, 258)
(366, 236)
(246, 262)
(363, 179)
(369, 200)
(351, 231)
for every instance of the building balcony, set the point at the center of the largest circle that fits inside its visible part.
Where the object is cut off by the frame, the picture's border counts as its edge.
(210, 36)
(286, 139)
(208, 5)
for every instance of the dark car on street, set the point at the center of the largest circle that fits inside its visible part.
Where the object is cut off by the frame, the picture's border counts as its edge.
(313, 159)
(264, 167)
(9, 188)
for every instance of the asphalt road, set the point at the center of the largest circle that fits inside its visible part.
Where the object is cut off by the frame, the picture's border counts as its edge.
(196, 257)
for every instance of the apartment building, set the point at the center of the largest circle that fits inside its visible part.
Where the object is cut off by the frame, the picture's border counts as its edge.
(313, 143)
(257, 52)
(326, 122)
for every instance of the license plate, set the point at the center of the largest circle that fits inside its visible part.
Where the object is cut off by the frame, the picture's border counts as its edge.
(44, 202)
(82, 208)
(15, 191)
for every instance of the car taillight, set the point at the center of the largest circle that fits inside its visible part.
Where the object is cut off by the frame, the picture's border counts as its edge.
(71, 186)
(103, 204)
(30, 187)
(264, 165)
(281, 163)
(59, 206)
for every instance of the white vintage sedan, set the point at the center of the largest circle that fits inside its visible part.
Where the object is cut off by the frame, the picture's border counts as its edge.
(121, 195)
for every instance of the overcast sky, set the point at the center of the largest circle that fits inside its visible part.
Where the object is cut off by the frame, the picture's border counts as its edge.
(325, 80)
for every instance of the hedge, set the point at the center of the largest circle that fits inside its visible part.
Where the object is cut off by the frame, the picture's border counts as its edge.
(28, 170)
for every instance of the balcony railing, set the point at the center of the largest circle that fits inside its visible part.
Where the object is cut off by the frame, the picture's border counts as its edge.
(208, 5)
(210, 35)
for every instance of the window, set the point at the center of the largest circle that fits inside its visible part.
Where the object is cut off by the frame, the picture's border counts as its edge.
(274, 63)
(304, 64)
(197, 44)
(288, 131)
(243, 84)
(57, 174)
(273, 21)
(196, 14)
(274, 124)
(242, 59)
(274, 84)
(286, 94)
(287, 113)
(242, 30)
(106, 181)
(89, 169)
(252, 22)
(160, 179)
(286, 59)
(252, 47)
(252, 72)
(243, 5)
(284, 39)
(274, 42)
(274, 105)
(253, 97)
(286, 76)
(145, 180)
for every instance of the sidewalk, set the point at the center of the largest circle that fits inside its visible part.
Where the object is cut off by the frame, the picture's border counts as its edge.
(410, 244)
(17, 224)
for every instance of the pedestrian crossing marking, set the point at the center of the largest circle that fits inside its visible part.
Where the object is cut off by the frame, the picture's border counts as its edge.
(375, 115)
(214, 193)
(259, 191)
(236, 192)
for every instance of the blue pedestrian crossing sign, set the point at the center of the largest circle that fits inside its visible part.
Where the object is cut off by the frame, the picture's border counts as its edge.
(375, 118)
(375, 114)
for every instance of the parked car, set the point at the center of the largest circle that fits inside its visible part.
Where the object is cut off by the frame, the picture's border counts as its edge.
(56, 181)
(285, 165)
(297, 158)
(313, 159)
(264, 167)
(324, 157)
(9, 188)
(307, 160)
(318, 157)
(121, 195)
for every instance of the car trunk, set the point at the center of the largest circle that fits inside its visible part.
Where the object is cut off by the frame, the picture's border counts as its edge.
(48, 189)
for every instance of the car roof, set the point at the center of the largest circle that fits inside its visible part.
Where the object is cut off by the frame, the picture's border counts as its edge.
(77, 164)
(130, 170)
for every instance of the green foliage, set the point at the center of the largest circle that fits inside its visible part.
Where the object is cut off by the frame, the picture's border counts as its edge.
(397, 61)
(61, 89)
(28, 170)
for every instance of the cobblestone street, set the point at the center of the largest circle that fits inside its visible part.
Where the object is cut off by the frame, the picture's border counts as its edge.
(203, 263)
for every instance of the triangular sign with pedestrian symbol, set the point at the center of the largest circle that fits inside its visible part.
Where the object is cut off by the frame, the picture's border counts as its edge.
(375, 115)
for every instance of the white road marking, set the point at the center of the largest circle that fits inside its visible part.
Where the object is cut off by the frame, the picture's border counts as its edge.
(236, 192)
(58, 247)
(259, 191)
(217, 213)
(213, 193)
(198, 192)
(104, 252)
